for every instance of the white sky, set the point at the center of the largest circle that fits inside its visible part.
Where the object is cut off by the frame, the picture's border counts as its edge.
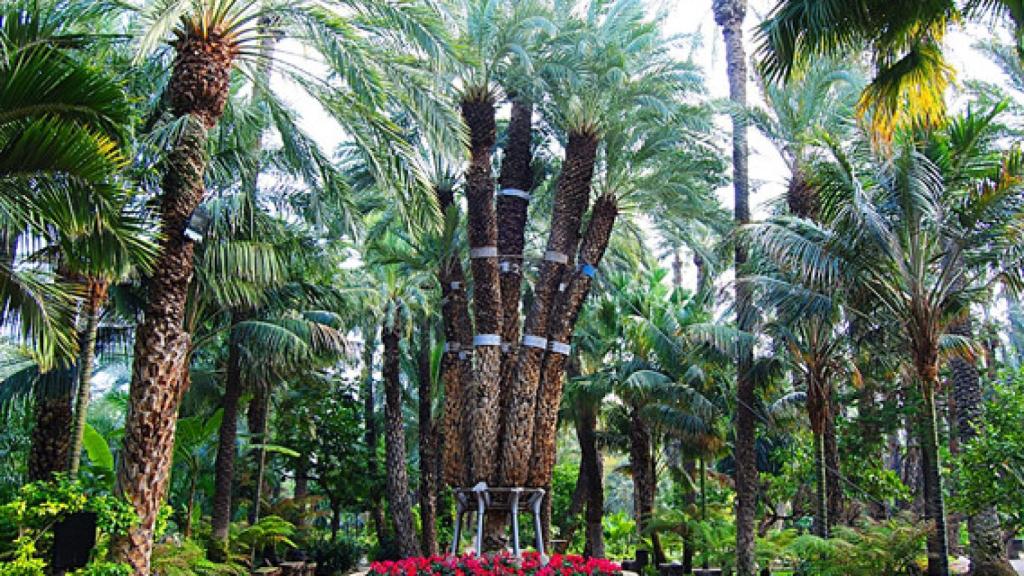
(767, 171)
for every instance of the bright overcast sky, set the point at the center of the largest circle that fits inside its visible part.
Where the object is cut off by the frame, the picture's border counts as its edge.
(767, 172)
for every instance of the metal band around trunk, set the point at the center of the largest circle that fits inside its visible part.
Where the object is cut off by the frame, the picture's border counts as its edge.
(505, 266)
(535, 341)
(560, 348)
(484, 252)
(455, 285)
(556, 257)
(487, 340)
(515, 192)
(451, 346)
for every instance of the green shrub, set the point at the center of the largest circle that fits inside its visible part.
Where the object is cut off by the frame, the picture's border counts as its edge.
(894, 547)
(335, 557)
(26, 523)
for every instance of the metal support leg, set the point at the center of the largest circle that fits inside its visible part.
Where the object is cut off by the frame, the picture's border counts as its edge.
(458, 529)
(481, 509)
(514, 504)
(537, 502)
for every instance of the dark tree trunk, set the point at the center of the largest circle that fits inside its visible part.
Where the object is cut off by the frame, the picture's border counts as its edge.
(456, 363)
(371, 435)
(729, 15)
(258, 417)
(198, 89)
(227, 439)
(926, 363)
(987, 552)
(51, 432)
(833, 478)
(591, 469)
(563, 322)
(570, 203)
(428, 448)
(399, 503)
(642, 465)
(482, 401)
(516, 178)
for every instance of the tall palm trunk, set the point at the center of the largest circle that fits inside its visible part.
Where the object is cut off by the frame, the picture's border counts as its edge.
(571, 199)
(96, 296)
(258, 416)
(591, 471)
(644, 486)
(198, 90)
(817, 409)
(987, 553)
(51, 432)
(482, 401)
(516, 177)
(399, 503)
(567, 309)
(227, 437)
(456, 363)
(926, 363)
(729, 15)
(371, 435)
(833, 479)
(427, 445)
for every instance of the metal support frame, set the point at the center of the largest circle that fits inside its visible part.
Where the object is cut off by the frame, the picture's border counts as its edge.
(482, 499)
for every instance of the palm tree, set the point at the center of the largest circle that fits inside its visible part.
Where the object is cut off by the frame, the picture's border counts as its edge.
(654, 161)
(401, 295)
(819, 101)
(904, 42)
(888, 235)
(62, 151)
(209, 37)
(494, 36)
(971, 162)
(729, 15)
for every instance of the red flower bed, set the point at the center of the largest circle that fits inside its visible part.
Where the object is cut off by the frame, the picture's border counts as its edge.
(504, 563)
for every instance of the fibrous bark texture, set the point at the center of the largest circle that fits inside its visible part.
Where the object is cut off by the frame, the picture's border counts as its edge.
(456, 363)
(198, 90)
(570, 203)
(51, 432)
(427, 445)
(227, 437)
(567, 309)
(399, 503)
(987, 553)
(482, 400)
(161, 346)
(516, 174)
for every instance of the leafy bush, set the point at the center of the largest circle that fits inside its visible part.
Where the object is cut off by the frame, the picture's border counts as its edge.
(529, 565)
(619, 535)
(335, 557)
(25, 524)
(894, 547)
(188, 558)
